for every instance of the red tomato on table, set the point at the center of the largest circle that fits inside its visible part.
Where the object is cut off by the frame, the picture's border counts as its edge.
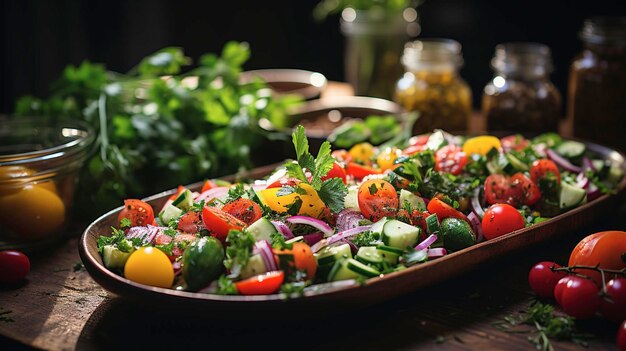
(14, 266)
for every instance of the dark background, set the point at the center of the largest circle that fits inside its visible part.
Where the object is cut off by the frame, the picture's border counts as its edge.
(39, 38)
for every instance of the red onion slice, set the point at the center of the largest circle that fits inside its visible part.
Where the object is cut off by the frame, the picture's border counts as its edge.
(313, 238)
(146, 234)
(476, 206)
(314, 222)
(562, 161)
(588, 165)
(427, 242)
(582, 181)
(346, 234)
(348, 218)
(219, 192)
(593, 192)
(476, 225)
(264, 249)
(437, 252)
(283, 229)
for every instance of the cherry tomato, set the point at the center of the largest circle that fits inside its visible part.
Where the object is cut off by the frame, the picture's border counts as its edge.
(580, 297)
(262, 284)
(523, 190)
(621, 337)
(419, 219)
(218, 222)
(443, 210)
(416, 144)
(359, 171)
(208, 185)
(540, 168)
(377, 198)
(500, 219)
(14, 266)
(450, 159)
(341, 155)
(497, 189)
(149, 266)
(543, 280)
(244, 209)
(362, 153)
(514, 142)
(299, 257)
(413, 149)
(139, 213)
(613, 306)
(558, 288)
(336, 172)
(190, 222)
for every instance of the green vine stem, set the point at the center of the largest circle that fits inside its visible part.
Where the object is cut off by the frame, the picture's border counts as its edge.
(603, 272)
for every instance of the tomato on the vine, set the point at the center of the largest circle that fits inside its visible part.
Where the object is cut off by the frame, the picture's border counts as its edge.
(139, 212)
(621, 337)
(558, 288)
(580, 297)
(244, 209)
(605, 249)
(613, 305)
(542, 279)
(450, 159)
(14, 266)
(377, 198)
(541, 168)
(500, 219)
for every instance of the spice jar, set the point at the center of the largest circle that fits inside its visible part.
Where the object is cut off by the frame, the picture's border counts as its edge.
(597, 83)
(433, 86)
(521, 97)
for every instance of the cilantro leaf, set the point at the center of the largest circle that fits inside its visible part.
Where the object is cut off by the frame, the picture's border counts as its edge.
(333, 192)
(238, 251)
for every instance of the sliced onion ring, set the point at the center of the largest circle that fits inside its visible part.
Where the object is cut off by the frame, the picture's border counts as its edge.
(476, 206)
(476, 225)
(437, 252)
(346, 234)
(314, 222)
(562, 161)
(426, 242)
(264, 249)
(283, 229)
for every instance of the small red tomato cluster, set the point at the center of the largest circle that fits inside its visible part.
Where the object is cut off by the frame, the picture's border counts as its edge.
(580, 296)
(14, 266)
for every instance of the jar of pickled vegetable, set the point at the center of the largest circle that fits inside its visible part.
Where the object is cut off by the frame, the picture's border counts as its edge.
(597, 83)
(521, 97)
(433, 86)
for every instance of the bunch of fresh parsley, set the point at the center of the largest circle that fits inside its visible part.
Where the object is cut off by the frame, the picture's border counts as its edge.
(163, 123)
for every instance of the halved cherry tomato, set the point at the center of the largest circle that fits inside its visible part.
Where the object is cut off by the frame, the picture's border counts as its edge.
(523, 190)
(515, 142)
(359, 171)
(299, 257)
(377, 198)
(208, 184)
(190, 222)
(443, 210)
(244, 209)
(418, 218)
(139, 212)
(336, 172)
(403, 216)
(262, 284)
(450, 159)
(218, 222)
(540, 168)
(500, 219)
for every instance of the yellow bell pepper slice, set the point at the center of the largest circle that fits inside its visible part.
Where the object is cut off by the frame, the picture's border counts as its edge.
(481, 145)
(312, 205)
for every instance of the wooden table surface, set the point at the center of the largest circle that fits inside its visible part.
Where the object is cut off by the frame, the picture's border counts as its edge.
(59, 307)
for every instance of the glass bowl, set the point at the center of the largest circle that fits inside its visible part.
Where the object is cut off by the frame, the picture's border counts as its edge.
(40, 163)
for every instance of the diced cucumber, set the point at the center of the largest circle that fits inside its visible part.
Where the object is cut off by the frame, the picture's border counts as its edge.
(254, 267)
(399, 234)
(331, 254)
(571, 149)
(369, 255)
(598, 165)
(432, 224)
(262, 229)
(389, 254)
(184, 200)
(295, 239)
(571, 195)
(516, 162)
(169, 212)
(499, 164)
(351, 199)
(114, 258)
(615, 173)
(414, 202)
(377, 227)
(349, 268)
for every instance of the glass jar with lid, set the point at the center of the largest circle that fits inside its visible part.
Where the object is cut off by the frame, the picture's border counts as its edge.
(521, 97)
(433, 86)
(597, 83)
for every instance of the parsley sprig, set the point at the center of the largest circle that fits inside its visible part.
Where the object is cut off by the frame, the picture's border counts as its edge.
(332, 191)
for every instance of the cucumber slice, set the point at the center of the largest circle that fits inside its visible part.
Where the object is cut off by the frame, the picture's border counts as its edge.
(571, 149)
(169, 212)
(262, 229)
(432, 224)
(377, 227)
(571, 195)
(412, 201)
(399, 234)
(295, 239)
(361, 268)
(389, 254)
(331, 254)
(615, 173)
(184, 200)
(369, 255)
(517, 163)
(351, 200)
(340, 271)
(254, 267)
(114, 258)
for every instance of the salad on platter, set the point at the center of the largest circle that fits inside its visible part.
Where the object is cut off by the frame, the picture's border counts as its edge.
(352, 214)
